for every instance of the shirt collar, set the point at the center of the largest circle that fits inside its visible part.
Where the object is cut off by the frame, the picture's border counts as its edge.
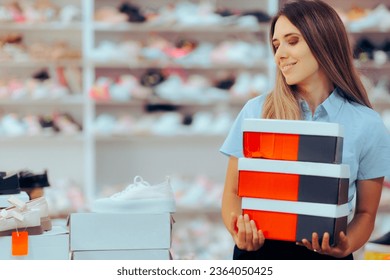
(331, 106)
(333, 103)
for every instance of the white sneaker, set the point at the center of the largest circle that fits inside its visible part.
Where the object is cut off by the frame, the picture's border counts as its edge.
(139, 197)
(19, 207)
(26, 221)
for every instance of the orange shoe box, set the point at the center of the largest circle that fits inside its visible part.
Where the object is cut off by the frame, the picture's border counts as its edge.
(293, 140)
(295, 220)
(293, 180)
(286, 195)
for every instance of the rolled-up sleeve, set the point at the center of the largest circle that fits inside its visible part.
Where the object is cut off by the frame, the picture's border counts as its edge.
(232, 145)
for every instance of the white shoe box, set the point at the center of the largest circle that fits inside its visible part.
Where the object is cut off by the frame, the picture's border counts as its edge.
(51, 245)
(161, 254)
(106, 231)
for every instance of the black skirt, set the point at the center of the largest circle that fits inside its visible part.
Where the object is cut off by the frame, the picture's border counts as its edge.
(282, 250)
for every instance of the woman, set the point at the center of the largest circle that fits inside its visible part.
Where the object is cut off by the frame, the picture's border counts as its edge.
(316, 80)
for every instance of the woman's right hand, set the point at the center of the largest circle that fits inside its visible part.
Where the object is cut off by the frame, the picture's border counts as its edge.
(245, 233)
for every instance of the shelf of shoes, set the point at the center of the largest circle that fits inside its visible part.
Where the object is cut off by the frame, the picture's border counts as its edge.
(368, 25)
(185, 89)
(22, 38)
(17, 50)
(155, 127)
(40, 14)
(203, 54)
(41, 101)
(33, 127)
(157, 27)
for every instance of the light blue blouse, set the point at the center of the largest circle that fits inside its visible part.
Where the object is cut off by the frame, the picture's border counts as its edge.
(366, 147)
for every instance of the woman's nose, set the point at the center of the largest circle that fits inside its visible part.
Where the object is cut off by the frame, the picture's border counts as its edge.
(280, 52)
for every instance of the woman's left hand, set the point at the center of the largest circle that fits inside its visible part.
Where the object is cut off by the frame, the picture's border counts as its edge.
(339, 251)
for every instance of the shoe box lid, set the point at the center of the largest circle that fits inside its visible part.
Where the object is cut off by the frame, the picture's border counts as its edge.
(293, 127)
(119, 231)
(295, 167)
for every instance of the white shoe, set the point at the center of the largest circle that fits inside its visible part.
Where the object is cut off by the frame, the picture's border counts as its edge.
(139, 197)
(26, 221)
(19, 207)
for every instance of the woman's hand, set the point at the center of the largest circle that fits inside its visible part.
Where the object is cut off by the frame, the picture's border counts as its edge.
(339, 251)
(245, 233)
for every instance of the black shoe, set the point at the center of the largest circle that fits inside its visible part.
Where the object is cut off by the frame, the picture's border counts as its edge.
(381, 244)
(364, 50)
(3, 174)
(28, 180)
(9, 184)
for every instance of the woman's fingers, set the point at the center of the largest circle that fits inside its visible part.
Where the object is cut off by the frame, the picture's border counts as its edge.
(325, 243)
(315, 244)
(248, 237)
(255, 235)
(241, 234)
(248, 229)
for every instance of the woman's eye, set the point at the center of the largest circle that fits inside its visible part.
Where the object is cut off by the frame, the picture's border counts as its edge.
(293, 42)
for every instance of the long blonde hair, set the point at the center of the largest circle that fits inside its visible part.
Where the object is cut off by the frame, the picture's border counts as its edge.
(325, 34)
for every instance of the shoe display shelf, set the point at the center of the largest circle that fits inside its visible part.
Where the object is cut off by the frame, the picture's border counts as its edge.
(41, 96)
(368, 25)
(174, 127)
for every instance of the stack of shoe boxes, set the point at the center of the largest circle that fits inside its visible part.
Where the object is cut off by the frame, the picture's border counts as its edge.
(134, 224)
(120, 236)
(291, 179)
(26, 230)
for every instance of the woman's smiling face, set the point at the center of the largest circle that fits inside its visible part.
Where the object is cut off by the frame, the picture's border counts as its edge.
(292, 54)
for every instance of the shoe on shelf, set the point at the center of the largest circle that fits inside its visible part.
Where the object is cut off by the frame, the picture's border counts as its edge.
(20, 206)
(20, 221)
(378, 18)
(139, 197)
(378, 248)
(33, 183)
(27, 179)
(9, 184)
